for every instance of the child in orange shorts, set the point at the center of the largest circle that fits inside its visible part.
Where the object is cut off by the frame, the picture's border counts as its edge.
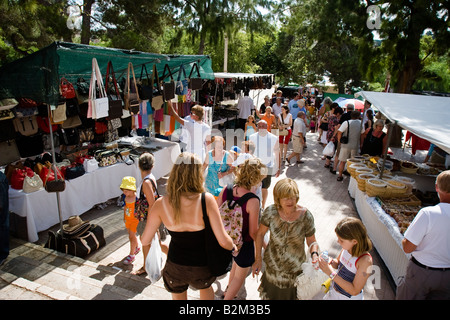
(128, 186)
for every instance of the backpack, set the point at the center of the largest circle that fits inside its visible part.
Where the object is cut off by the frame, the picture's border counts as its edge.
(233, 217)
(141, 204)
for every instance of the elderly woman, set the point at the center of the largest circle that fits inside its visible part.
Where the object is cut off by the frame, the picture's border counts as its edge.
(289, 225)
(374, 140)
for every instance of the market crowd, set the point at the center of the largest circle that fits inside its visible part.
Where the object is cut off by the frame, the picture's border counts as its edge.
(215, 177)
(209, 176)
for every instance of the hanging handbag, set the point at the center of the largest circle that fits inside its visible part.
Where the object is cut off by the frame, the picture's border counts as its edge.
(59, 114)
(218, 258)
(7, 130)
(181, 87)
(6, 114)
(44, 124)
(145, 90)
(67, 89)
(72, 122)
(195, 83)
(131, 98)
(72, 107)
(90, 165)
(8, 103)
(115, 101)
(157, 96)
(26, 126)
(168, 87)
(98, 107)
(32, 184)
(9, 152)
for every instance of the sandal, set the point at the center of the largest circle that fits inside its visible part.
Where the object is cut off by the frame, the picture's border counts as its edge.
(137, 250)
(327, 166)
(141, 271)
(340, 178)
(129, 259)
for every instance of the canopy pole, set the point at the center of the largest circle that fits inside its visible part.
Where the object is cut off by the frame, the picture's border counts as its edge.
(389, 135)
(54, 167)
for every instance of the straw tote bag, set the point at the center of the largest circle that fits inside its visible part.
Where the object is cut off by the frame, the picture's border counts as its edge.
(98, 106)
(131, 98)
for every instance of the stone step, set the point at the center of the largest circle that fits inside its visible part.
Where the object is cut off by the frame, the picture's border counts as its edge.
(58, 276)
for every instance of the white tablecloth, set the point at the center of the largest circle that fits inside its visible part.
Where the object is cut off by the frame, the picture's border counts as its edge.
(382, 230)
(81, 194)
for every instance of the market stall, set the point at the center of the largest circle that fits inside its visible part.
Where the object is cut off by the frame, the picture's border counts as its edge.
(40, 207)
(227, 88)
(68, 97)
(387, 206)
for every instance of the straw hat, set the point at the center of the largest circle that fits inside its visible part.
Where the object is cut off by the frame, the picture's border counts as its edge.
(128, 183)
(74, 223)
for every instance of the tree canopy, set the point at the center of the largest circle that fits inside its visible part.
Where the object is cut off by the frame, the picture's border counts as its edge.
(354, 43)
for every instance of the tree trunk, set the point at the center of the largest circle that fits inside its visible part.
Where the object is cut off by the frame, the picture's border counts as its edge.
(86, 24)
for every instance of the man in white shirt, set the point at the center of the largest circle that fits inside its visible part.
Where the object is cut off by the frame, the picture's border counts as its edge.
(428, 240)
(245, 106)
(267, 149)
(197, 132)
(276, 108)
(298, 132)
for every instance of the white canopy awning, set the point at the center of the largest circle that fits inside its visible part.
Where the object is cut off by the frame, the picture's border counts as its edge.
(228, 75)
(425, 116)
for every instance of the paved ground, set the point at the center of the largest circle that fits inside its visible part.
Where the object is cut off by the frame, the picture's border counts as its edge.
(326, 198)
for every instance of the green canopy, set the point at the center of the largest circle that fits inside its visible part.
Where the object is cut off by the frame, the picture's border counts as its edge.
(38, 75)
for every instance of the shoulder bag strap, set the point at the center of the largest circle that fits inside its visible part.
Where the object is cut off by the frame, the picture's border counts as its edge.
(179, 73)
(169, 73)
(130, 66)
(205, 215)
(110, 70)
(155, 77)
(195, 66)
(144, 67)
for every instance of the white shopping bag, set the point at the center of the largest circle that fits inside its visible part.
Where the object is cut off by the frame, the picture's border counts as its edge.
(328, 151)
(154, 261)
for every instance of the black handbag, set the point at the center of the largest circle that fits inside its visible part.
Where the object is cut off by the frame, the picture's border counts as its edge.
(195, 83)
(115, 101)
(145, 90)
(75, 171)
(168, 87)
(219, 259)
(344, 139)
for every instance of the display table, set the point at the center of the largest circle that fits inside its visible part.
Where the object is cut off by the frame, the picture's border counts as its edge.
(81, 194)
(382, 230)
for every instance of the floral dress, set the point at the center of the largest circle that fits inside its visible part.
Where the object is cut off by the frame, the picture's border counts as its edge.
(285, 252)
(212, 178)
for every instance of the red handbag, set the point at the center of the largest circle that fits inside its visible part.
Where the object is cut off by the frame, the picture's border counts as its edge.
(44, 126)
(47, 174)
(18, 176)
(67, 89)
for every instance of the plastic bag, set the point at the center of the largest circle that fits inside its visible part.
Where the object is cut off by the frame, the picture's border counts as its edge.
(328, 151)
(309, 282)
(154, 260)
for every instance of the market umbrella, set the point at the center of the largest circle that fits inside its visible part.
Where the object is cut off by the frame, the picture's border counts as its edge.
(359, 105)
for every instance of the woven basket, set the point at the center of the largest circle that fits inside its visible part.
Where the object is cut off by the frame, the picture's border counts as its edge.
(375, 187)
(355, 166)
(409, 182)
(361, 179)
(407, 169)
(395, 189)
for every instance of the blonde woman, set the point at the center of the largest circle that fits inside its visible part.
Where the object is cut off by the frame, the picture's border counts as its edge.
(290, 225)
(181, 212)
(248, 175)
